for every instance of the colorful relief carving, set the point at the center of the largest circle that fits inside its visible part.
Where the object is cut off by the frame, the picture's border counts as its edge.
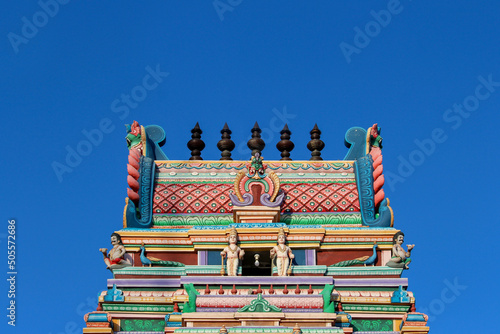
(144, 147)
(259, 304)
(115, 259)
(414, 322)
(135, 136)
(98, 319)
(183, 209)
(153, 261)
(256, 187)
(283, 255)
(138, 213)
(296, 329)
(142, 325)
(190, 305)
(133, 166)
(400, 258)
(328, 303)
(274, 165)
(375, 208)
(364, 260)
(343, 319)
(320, 197)
(321, 219)
(114, 295)
(232, 253)
(197, 196)
(375, 151)
(209, 220)
(400, 296)
(372, 325)
(364, 180)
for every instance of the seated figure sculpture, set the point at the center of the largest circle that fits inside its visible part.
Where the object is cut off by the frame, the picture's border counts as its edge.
(233, 253)
(400, 258)
(283, 255)
(115, 258)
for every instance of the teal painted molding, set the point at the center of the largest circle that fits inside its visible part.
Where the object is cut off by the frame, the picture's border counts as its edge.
(97, 317)
(320, 269)
(207, 269)
(155, 139)
(364, 182)
(259, 304)
(363, 271)
(152, 271)
(355, 141)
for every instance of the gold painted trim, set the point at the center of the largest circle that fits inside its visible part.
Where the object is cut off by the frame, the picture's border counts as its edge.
(125, 213)
(276, 180)
(240, 175)
(143, 140)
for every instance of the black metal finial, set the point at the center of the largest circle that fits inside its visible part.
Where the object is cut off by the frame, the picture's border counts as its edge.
(285, 145)
(316, 144)
(225, 145)
(196, 145)
(256, 144)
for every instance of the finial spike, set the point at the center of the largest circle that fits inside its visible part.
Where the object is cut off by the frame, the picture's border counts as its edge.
(285, 145)
(316, 144)
(226, 145)
(196, 145)
(256, 144)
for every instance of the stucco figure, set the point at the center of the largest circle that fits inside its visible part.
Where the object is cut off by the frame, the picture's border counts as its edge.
(115, 258)
(283, 255)
(400, 258)
(232, 253)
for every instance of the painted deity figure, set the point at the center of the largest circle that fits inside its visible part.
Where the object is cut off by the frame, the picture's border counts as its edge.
(400, 258)
(375, 138)
(232, 253)
(115, 258)
(283, 255)
(256, 167)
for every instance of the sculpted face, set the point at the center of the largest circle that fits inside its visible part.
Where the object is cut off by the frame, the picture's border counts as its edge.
(400, 239)
(114, 240)
(281, 239)
(232, 239)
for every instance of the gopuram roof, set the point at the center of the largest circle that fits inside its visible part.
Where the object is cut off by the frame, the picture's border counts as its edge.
(256, 246)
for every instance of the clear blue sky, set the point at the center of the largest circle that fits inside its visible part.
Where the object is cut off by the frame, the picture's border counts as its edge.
(338, 64)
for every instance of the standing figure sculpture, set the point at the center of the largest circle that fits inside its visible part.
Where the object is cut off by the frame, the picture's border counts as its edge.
(115, 258)
(283, 255)
(400, 258)
(233, 253)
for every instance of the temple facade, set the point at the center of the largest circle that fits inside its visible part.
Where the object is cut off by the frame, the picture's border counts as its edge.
(256, 246)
